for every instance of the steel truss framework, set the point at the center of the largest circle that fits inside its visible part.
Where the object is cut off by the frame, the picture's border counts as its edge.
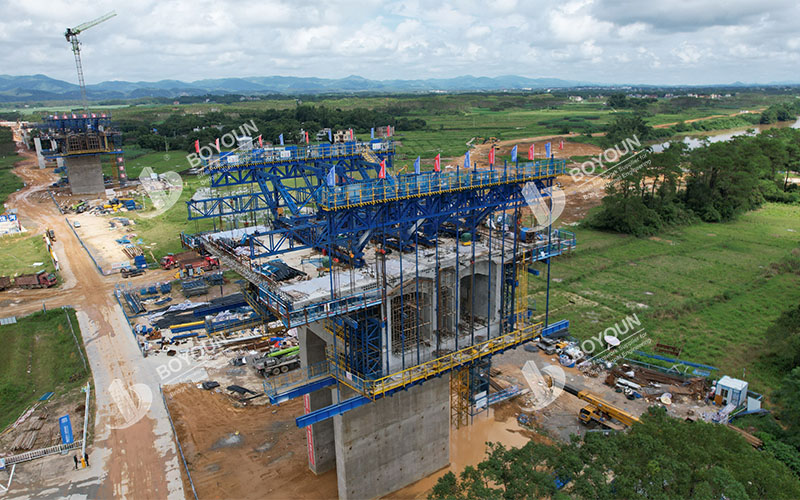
(333, 198)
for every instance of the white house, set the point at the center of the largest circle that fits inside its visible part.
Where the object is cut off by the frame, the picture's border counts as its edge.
(730, 391)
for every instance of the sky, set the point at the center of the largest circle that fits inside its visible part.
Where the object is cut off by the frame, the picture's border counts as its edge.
(600, 41)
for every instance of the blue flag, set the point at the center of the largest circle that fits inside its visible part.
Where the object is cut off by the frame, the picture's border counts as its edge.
(547, 150)
(416, 165)
(65, 426)
(331, 177)
(466, 160)
(281, 138)
(372, 133)
(514, 154)
(330, 137)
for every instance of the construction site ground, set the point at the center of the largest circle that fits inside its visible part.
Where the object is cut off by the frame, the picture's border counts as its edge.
(236, 451)
(134, 452)
(100, 238)
(133, 457)
(150, 463)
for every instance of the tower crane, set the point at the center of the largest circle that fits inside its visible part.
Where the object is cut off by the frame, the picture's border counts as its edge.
(72, 37)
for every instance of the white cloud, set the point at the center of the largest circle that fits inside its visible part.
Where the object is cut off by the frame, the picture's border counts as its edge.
(689, 53)
(576, 39)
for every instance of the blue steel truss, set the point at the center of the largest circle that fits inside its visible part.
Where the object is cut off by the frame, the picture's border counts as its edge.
(344, 217)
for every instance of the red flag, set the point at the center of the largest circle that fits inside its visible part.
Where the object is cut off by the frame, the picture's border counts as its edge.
(436, 163)
(530, 152)
(197, 145)
(491, 156)
(561, 144)
(352, 137)
(306, 137)
(382, 172)
(217, 143)
(260, 142)
(388, 130)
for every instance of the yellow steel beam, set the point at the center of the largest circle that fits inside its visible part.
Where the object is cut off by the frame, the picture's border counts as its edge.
(429, 369)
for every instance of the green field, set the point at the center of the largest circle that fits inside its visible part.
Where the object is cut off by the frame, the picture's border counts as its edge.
(38, 356)
(711, 289)
(19, 252)
(9, 182)
(8, 157)
(160, 162)
(163, 230)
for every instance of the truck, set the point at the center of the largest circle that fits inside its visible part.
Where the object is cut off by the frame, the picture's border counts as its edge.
(171, 261)
(601, 411)
(42, 279)
(51, 234)
(129, 271)
(274, 363)
(206, 263)
(5, 283)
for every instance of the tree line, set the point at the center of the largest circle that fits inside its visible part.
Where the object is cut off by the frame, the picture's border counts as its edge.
(660, 458)
(180, 130)
(714, 183)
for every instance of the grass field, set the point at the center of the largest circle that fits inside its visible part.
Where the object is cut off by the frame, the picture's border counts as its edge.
(164, 229)
(38, 355)
(19, 252)
(711, 289)
(8, 181)
(8, 157)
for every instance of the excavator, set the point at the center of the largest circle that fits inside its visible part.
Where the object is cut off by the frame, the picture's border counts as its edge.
(601, 411)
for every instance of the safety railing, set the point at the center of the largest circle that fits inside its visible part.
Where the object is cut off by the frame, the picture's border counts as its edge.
(378, 190)
(378, 387)
(275, 383)
(283, 154)
(43, 452)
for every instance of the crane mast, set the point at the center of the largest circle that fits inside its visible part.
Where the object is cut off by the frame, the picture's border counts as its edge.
(71, 34)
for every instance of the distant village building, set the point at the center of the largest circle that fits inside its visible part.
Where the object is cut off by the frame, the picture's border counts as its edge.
(322, 135)
(386, 131)
(341, 136)
(575, 98)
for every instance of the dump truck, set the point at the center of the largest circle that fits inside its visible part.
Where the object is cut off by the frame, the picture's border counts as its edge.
(179, 260)
(206, 263)
(42, 279)
(171, 261)
(601, 411)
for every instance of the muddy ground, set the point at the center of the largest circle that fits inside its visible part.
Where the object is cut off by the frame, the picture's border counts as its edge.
(236, 451)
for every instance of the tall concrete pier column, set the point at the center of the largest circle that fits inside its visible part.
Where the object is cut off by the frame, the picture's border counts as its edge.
(319, 436)
(85, 174)
(394, 441)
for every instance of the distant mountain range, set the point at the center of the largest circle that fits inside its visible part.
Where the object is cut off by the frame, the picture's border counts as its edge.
(42, 88)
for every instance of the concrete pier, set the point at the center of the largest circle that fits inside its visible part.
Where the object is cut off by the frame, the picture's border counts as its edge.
(85, 174)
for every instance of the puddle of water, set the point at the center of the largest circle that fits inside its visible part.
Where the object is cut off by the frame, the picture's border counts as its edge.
(699, 141)
(468, 447)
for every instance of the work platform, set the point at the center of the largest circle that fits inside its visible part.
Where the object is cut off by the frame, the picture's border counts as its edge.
(81, 141)
(397, 281)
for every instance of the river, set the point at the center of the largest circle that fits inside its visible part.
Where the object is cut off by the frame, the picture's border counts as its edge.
(698, 141)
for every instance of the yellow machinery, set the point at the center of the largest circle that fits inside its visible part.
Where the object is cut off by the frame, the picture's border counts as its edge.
(601, 411)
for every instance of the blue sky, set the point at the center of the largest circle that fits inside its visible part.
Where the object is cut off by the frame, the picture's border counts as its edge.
(602, 41)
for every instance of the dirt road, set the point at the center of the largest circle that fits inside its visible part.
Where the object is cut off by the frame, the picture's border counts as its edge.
(134, 454)
(710, 117)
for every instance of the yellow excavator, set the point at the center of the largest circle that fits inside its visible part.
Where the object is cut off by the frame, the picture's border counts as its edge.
(601, 411)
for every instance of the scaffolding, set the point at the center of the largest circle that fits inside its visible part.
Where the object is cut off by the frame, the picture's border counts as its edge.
(459, 397)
